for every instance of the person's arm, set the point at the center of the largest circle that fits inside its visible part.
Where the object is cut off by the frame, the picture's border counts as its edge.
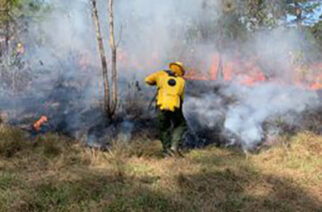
(152, 78)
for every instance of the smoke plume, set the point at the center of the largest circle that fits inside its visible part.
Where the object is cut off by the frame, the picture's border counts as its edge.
(65, 77)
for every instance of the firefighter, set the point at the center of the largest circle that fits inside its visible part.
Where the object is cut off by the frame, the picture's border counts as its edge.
(170, 95)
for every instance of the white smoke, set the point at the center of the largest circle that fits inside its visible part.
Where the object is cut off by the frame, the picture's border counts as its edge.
(240, 112)
(152, 33)
(255, 105)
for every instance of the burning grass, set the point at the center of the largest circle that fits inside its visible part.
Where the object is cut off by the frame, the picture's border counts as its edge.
(53, 173)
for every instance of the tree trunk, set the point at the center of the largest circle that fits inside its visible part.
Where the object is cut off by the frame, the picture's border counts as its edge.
(114, 54)
(103, 58)
(5, 25)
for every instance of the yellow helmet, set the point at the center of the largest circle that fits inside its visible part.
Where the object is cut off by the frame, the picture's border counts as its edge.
(177, 68)
(20, 48)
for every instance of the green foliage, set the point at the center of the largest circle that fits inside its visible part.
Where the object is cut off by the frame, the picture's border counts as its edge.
(236, 21)
(14, 13)
(316, 31)
(15, 18)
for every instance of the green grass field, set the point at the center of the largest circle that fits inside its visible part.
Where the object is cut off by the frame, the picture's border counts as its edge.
(54, 173)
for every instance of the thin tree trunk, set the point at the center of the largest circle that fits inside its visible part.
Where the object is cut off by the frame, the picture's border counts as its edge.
(7, 36)
(220, 70)
(103, 58)
(5, 10)
(114, 54)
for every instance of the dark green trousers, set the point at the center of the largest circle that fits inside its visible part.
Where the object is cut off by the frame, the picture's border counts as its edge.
(172, 126)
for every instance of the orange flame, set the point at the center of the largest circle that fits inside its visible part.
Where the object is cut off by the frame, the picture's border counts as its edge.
(37, 125)
(246, 72)
(243, 71)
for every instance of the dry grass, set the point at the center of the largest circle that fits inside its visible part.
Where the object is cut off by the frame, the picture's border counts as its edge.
(52, 173)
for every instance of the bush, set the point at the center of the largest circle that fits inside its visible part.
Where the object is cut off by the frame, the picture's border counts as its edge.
(12, 141)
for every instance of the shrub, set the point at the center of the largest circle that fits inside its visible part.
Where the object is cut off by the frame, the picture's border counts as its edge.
(12, 141)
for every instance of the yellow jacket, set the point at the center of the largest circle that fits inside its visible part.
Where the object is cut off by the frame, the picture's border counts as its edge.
(170, 89)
